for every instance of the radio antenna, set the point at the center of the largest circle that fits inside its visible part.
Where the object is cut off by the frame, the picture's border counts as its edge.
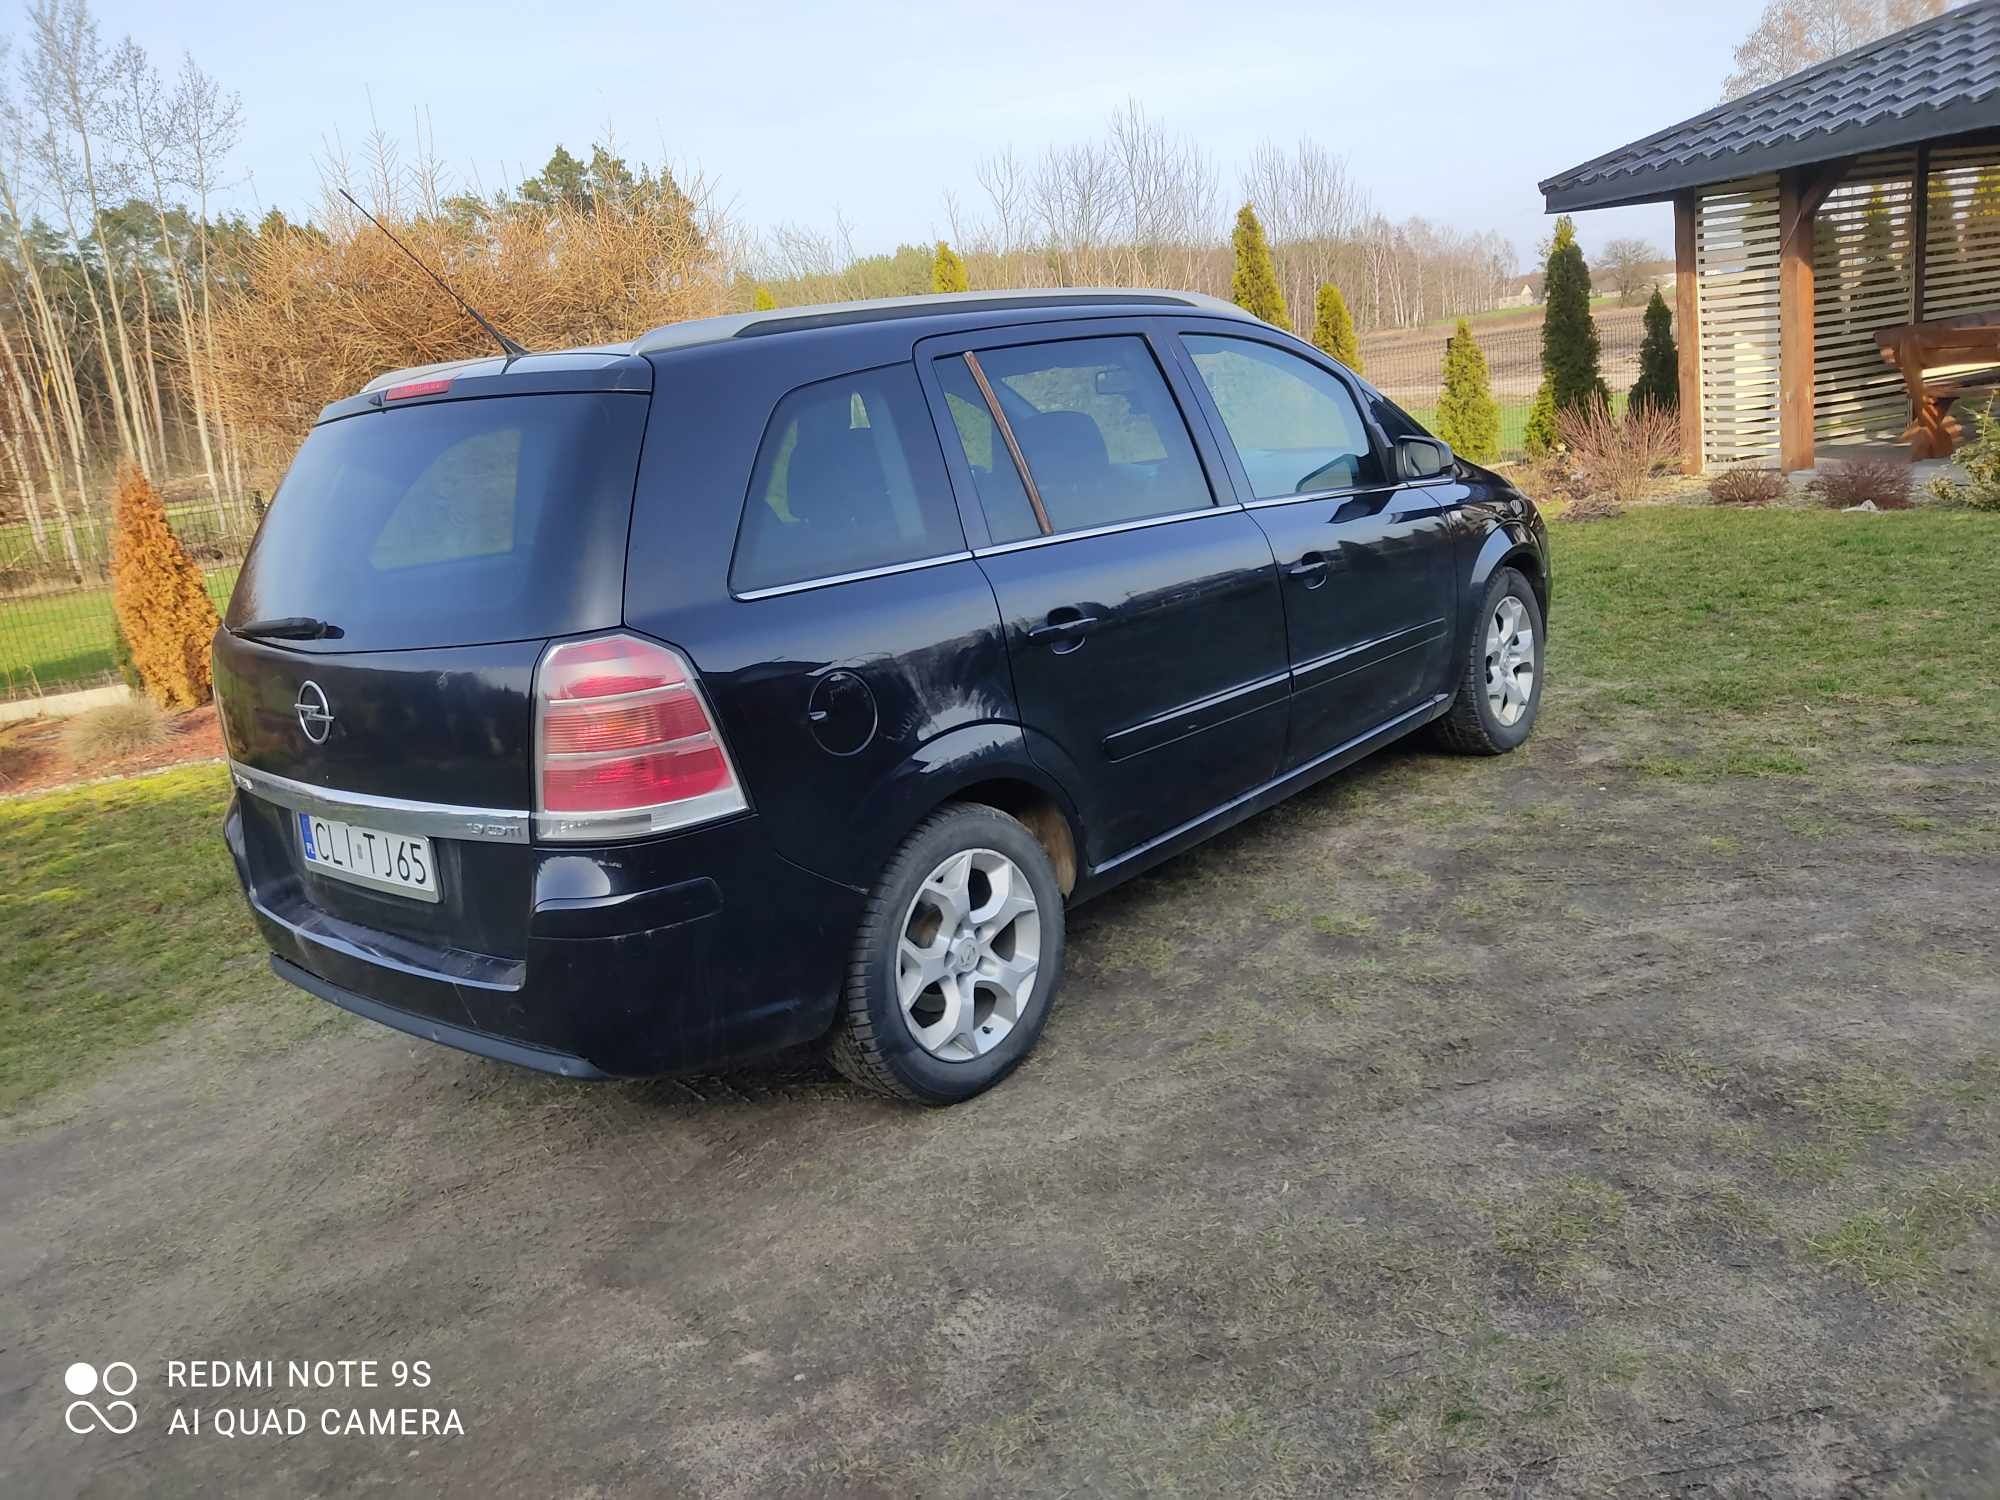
(512, 350)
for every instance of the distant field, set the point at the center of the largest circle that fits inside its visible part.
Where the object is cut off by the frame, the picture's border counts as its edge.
(63, 640)
(1408, 363)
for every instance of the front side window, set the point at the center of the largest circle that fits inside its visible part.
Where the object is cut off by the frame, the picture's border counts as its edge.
(1103, 439)
(849, 478)
(1295, 427)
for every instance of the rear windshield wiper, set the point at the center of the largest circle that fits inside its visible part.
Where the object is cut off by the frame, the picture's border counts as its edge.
(290, 628)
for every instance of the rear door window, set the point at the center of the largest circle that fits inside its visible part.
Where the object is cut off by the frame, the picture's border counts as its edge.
(1102, 435)
(453, 523)
(849, 478)
(1295, 427)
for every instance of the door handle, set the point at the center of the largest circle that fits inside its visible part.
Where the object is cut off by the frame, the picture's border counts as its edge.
(1064, 635)
(1310, 570)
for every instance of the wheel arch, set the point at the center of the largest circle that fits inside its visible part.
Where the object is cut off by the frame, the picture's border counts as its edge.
(1509, 546)
(982, 763)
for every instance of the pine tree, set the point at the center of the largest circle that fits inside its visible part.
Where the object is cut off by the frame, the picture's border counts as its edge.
(1539, 436)
(1569, 333)
(1467, 416)
(1254, 284)
(947, 270)
(1659, 382)
(157, 594)
(763, 301)
(1333, 327)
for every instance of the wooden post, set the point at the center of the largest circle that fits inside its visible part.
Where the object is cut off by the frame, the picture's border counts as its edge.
(1687, 313)
(1795, 321)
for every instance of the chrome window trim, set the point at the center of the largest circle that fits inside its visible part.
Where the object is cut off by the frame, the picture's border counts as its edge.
(1346, 494)
(437, 819)
(1071, 536)
(833, 578)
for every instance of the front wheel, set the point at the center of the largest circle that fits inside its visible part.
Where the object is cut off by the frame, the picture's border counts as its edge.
(957, 960)
(1500, 680)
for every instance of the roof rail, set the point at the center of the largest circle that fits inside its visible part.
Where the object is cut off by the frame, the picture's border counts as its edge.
(833, 314)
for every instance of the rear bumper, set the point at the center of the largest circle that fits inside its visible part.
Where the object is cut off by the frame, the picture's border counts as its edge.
(667, 955)
(521, 1054)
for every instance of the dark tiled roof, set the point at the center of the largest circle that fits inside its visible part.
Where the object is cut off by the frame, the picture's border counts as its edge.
(1940, 77)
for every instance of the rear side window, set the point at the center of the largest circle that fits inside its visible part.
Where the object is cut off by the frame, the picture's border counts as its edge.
(1102, 435)
(849, 478)
(1295, 427)
(453, 523)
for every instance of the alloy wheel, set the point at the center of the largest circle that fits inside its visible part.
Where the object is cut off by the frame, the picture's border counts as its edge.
(967, 954)
(1510, 661)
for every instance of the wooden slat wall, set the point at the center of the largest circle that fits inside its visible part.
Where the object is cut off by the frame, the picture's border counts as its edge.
(1736, 263)
(1962, 269)
(1861, 282)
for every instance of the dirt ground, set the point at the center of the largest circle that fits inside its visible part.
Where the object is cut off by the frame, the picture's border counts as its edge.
(1524, 1127)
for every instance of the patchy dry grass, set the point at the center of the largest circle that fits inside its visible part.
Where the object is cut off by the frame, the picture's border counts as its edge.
(1904, 1241)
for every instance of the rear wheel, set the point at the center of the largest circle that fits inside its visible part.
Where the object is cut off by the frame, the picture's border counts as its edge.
(1500, 680)
(957, 960)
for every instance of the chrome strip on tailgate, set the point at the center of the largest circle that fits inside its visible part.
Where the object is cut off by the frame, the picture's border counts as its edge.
(437, 819)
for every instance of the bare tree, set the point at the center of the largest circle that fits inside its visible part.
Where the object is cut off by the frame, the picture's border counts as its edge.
(1005, 184)
(208, 123)
(147, 125)
(1795, 34)
(67, 77)
(1630, 264)
(1312, 212)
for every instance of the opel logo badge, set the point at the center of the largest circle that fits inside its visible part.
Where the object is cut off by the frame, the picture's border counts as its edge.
(315, 718)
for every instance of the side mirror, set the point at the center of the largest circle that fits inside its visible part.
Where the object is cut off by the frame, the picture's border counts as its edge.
(1422, 458)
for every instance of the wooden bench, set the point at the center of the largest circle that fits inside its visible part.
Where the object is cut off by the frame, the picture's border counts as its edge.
(1942, 359)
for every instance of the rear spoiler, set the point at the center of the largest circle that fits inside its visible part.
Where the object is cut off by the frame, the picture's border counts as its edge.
(468, 379)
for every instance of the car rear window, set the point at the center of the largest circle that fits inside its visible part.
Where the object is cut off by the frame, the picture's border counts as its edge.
(453, 523)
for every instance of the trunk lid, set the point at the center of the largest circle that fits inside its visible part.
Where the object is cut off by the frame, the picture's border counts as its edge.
(442, 541)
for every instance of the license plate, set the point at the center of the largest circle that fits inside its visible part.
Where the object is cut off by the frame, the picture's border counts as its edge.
(398, 862)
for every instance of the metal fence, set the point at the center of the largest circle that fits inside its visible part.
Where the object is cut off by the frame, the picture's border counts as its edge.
(1407, 364)
(56, 625)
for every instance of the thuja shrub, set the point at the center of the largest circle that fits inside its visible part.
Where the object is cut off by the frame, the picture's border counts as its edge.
(157, 594)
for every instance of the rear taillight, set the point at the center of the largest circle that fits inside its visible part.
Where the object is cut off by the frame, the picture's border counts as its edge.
(624, 743)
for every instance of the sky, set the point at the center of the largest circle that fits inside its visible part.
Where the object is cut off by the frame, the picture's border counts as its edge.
(872, 111)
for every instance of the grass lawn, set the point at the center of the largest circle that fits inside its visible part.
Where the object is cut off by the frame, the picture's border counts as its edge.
(119, 917)
(54, 641)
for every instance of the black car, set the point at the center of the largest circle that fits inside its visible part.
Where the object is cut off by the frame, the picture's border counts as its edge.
(784, 677)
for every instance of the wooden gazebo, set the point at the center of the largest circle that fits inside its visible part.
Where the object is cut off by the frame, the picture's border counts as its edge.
(1836, 244)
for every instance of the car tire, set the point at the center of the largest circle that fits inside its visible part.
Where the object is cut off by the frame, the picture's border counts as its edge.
(1493, 711)
(940, 1003)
